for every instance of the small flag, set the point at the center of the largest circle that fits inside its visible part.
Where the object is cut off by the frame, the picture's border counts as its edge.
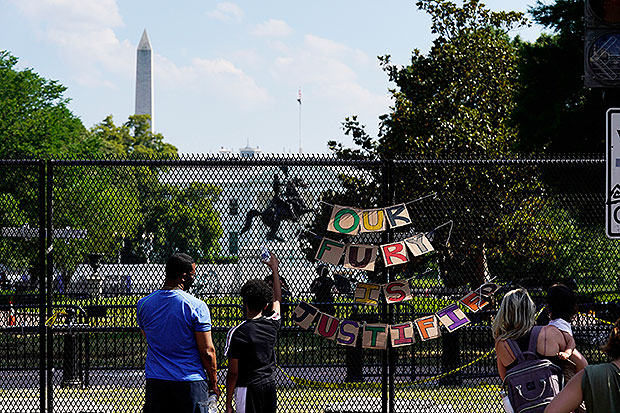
(299, 96)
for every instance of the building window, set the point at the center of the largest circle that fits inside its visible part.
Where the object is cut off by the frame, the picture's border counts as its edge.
(233, 207)
(233, 242)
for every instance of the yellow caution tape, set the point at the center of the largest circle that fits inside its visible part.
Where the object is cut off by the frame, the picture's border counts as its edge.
(597, 319)
(347, 385)
(52, 320)
(318, 384)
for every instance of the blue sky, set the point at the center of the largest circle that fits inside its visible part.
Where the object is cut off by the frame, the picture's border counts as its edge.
(226, 72)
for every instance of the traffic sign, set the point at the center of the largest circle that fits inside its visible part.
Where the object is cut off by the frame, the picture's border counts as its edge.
(612, 167)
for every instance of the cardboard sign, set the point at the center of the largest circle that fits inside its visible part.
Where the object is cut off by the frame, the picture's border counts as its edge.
(361, 257)
(375, 336)
(419, 244)
(402, 334)
(475, 301)
(397, 291)
(304, 315)
(344, 220)
(327, 327)
(330, 251)
(397, 216)
(487, 289)
(373, 220)
(348, 332)
(452, 317)
(366, 293)
(428, 327)
(394, 254)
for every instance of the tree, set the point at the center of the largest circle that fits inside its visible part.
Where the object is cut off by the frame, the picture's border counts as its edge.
(174, 216)
(554, 112)
(34, 119)
(454, 102)
(134, 138)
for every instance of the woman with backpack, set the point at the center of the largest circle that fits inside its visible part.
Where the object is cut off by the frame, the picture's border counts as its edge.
(597, 385)
(527, 355)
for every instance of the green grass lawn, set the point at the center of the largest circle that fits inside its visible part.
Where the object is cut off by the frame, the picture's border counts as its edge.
(482, 398)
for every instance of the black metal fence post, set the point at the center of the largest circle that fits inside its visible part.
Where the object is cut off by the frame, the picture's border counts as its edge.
(48, 284)
(42, 287)
(387, 196)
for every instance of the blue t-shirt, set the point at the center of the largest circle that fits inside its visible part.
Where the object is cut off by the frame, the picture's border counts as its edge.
(169, 319)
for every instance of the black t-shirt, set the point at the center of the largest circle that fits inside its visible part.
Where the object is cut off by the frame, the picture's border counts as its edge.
(252, 343)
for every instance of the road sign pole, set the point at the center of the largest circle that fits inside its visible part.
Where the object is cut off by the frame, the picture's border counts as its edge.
(612, 169)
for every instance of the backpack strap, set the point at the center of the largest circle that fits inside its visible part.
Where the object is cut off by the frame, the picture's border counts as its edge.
(534, 339)
(516, 351)
(531, 349)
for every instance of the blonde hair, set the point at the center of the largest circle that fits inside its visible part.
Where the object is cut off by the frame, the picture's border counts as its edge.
(516, 315)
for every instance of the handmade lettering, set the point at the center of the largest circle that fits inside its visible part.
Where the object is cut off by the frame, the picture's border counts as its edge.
(402, 334)
(304, 315)
(344, 220)
(452, 317)
(366, 293)
(373, 220)
(428, 327)
(375, 336)
(330, 251)
(397, 291)
(474, 301)
(419, 244)
(348, 332)
(397, 216)
(361, 257)
(394, 254)
(327, 326)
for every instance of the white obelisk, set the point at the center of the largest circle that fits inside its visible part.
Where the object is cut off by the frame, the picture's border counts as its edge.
(144, 78)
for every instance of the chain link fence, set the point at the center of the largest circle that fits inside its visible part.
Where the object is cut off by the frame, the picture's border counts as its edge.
(83, 241)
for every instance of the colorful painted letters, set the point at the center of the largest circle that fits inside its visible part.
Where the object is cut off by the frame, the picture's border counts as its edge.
(304, 315)
(330, 251)
(360, 257)
(375, 336)
(402, 334)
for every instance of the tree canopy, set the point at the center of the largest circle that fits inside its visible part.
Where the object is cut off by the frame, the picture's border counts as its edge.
(34, 119)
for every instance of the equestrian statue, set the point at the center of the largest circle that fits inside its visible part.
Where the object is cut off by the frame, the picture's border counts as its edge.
(284, 206)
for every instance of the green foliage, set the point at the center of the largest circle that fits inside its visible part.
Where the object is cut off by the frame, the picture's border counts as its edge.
(554, 112)
(134, 138)
(183, 219)
(454, 102)
(34, 119)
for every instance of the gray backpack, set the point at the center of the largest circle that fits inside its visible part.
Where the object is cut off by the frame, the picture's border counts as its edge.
(533, 382)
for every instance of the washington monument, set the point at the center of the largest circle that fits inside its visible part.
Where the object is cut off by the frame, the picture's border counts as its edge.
(144, 78)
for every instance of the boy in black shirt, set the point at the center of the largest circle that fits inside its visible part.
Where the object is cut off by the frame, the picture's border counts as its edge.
(249, 348)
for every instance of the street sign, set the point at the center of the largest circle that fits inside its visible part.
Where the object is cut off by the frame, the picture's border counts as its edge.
(612, 168)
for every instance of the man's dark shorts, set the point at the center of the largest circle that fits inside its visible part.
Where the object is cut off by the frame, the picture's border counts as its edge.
(164, 396)
(256, 399)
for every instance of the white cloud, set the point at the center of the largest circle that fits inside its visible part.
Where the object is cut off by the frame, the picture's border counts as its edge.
(330, 69)
(272, 28)
(71, 13)
(217, 79)
(83, 32)
(226, 12)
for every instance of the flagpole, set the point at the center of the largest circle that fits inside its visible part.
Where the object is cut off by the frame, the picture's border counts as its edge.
(299, 100)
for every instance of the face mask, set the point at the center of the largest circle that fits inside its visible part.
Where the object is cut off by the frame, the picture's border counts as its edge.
(188, 283)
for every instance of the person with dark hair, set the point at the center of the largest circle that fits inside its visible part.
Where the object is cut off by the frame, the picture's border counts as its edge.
(597, 385)
(181, 366)
(562, 306)
(250, 347)
(322, 287)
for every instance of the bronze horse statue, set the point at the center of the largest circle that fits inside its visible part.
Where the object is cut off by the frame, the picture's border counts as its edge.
(288, 206)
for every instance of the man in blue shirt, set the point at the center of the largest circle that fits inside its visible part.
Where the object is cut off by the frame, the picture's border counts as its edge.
(177, 327)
